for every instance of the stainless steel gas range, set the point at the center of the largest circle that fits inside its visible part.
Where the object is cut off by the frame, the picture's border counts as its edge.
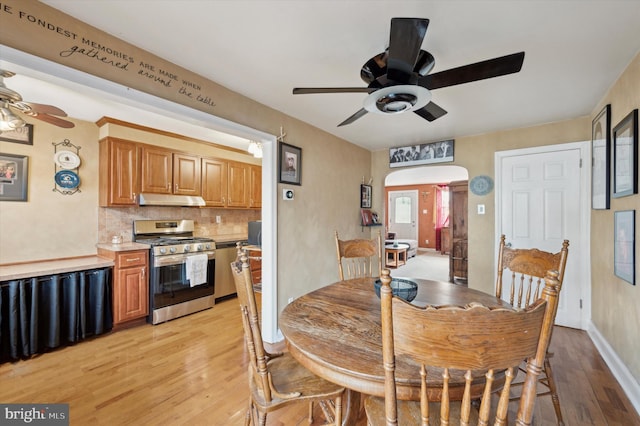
(182, 268)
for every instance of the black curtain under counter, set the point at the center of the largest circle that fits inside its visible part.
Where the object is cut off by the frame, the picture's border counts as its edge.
(44, 305)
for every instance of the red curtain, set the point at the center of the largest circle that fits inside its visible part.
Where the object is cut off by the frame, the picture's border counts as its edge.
(442, 213)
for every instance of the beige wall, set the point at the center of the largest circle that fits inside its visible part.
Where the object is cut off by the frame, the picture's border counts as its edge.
(616, 304)
(50, 224)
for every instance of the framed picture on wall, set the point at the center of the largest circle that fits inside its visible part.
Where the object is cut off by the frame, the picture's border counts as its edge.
(22, 135)
(625, 156)
(601, 160)
(290, 170)
(624, 254)
(365, 196)
(14, 171)
(426, 153)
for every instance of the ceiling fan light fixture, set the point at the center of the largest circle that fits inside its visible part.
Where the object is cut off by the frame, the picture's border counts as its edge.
(397, 99)
(8, 120)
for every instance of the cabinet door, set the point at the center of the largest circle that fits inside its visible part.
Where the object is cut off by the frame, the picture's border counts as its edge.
(238, 188)
(157, 165)
(214, 182)
(255, 186)
(118, 172)
(186, 174)
(131, 293)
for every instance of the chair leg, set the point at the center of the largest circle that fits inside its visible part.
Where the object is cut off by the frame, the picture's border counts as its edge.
(553, 391)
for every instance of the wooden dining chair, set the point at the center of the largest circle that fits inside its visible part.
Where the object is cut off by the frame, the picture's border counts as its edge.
(520, 277)
(482, 345)
(359, 257)
(277, 379)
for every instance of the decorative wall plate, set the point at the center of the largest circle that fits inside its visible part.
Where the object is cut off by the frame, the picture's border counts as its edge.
(481, 185)
(67, 179)
(66, 159)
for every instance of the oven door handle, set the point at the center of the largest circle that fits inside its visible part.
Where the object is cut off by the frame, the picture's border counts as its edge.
(177, 259)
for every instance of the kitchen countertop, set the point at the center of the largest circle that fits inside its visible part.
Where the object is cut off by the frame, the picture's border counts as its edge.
(51, 267)
(227, 238)
(123, 246)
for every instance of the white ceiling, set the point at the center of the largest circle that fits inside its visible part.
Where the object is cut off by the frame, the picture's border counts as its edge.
(574, 51)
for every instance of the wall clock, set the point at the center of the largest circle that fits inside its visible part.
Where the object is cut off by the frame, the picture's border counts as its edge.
(481, 185)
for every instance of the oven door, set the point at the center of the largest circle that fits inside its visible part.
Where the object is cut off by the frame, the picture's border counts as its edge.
(169, 284)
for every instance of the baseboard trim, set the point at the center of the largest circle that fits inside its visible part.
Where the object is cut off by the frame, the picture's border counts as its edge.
(620, 371)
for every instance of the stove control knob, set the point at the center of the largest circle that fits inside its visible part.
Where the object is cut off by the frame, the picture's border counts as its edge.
(208, 246)
(163, 251)
(199, 247)
(172, 249)
(187, 248)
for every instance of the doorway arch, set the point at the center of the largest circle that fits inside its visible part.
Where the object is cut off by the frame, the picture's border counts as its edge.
(414, 178)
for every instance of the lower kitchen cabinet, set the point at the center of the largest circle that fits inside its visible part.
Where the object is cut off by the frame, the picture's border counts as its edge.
(130, 284)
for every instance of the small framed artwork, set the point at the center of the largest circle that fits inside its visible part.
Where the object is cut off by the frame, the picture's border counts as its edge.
(601, 160)
(625, 156)
(426, 153)
(22, 135)
(624, 256)
(365, 196)
(290, 170)
(14, 171)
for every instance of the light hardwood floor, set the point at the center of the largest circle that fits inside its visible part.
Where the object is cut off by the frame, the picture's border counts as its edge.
(193, 371)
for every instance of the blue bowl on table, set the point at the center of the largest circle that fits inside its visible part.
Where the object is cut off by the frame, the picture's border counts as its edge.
(404, 289)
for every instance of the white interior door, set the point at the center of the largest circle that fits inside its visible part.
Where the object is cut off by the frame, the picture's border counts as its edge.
(403, 214)
(540, 204)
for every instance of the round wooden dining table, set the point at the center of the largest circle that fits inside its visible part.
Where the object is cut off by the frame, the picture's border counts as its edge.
(336, 333)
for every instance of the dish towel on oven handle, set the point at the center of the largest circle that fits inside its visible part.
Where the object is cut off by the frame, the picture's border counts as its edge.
(197, 269)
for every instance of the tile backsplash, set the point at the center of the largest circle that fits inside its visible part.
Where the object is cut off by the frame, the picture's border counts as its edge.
(119, 221)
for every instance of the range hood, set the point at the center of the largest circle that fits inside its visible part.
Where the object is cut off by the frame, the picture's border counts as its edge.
(171, 200)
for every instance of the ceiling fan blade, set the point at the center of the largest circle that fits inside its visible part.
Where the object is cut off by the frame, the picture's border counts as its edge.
(496, 67)
(308, 90)
(51, 119)
(430, 111)
(361, 113)
(40, 108)
(405, 41)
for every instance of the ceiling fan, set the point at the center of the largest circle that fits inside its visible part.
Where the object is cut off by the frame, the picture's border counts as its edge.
(12, 99)
(399, 81)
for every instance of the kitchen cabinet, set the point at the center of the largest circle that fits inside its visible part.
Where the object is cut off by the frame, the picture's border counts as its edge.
(231, 184)
(118, 172)
(130, 284)
(214, 182)
(255, 186)
(238, 184)
(168, 172)
(458, 230)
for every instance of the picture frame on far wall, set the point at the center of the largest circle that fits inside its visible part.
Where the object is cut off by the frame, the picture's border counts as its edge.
(14, 172)
(365, 196)
(290, 164)
(624, 256)
(23, 135)
(601, 160)
(419, 154)
(625, 156)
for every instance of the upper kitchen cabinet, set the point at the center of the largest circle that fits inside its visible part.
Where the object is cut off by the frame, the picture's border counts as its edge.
(238, 187)
(231, 184)
(118, 180)
(214, 182)
(255, 185)
(168, 172)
